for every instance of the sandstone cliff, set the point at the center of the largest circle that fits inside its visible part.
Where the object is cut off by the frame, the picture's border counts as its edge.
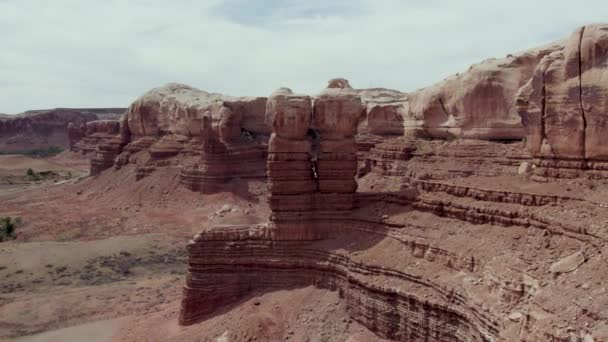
(564, 105)
(40, 129)
(209, 139)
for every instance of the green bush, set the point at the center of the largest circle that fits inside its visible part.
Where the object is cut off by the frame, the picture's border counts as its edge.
(30, 172)
(7, 228)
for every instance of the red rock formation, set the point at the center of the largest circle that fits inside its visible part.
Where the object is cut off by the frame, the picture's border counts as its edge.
(178, 109)
(40, 129)
(386, 111)
(110, 136)
(75, 134)
(291, 182)
(209, 139)
(230, 264)
(563, 105)
(87, 137)
(437, 239)
(478, 103)
(594, 89)
(337, 111)
(227, 263)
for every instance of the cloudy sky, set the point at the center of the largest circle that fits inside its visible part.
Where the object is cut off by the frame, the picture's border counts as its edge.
(77, 53)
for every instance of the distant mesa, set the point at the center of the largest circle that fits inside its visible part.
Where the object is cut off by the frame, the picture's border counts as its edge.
(40, 129)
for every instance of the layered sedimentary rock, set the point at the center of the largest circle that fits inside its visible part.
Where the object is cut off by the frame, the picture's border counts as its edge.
(337, 111)
(75, 133)
(217, 160)
(304, 184)
(385, 112)
(444, 239)
(40, 129)
(291, 179)
(312, 197)
(85, 138)
(110, 136)
(209, 139)
(231, 264)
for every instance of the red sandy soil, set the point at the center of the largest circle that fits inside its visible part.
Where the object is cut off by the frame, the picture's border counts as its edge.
(306, 314)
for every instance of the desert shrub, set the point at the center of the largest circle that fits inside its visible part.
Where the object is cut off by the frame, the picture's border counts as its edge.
(32, 175)
(39, 152)
(7, 228)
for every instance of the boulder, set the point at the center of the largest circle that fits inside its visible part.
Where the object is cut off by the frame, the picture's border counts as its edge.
(525, 168)
(568, 264)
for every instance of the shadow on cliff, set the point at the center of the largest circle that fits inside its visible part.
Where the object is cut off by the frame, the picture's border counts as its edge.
(251, 190)
(377, 216)
(366, 227)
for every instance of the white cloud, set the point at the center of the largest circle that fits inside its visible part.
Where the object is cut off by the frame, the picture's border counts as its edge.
(74, 53)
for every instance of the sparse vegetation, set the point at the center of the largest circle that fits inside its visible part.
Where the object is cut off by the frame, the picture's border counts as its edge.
(39, 152)
(7, 228)
(42, 175)
(32, 175)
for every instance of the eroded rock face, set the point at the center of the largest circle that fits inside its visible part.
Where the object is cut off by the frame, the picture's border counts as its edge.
(337, 112)
(41, 129)
(310, 194)
(563, 106)
(75, 133)
(103, 126)
(289, 114)
(179, 109)
(386, 111)
(594, 89)
(478, 103)
(413, 253)
(86, 138)
(209, 139)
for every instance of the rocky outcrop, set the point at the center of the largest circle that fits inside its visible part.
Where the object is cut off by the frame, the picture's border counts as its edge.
(312, 195)
(232, 264)
(291, 178)
(563, 106)
(478, 103)
(430, 239)
(85, 138)
(336, 113)
(40, 129)
(179, 110)
(109, 137)
(209, 139)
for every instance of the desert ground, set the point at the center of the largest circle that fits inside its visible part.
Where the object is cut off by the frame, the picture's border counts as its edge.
(88, 261)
